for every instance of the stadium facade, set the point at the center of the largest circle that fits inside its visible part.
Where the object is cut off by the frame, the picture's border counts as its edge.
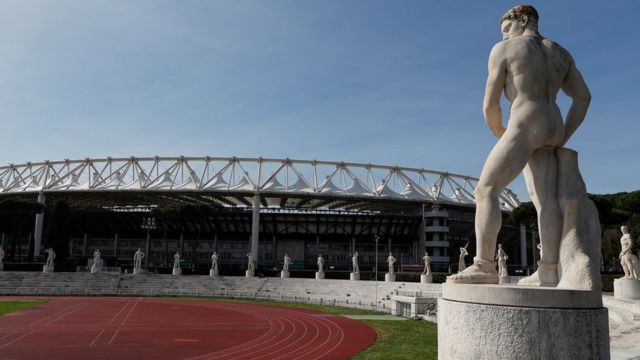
(198, 205)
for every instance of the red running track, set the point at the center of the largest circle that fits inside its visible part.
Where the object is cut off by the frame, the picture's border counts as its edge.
(142, 328)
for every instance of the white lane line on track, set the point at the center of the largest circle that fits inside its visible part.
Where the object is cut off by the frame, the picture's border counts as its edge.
(304, 349)
(271, 354)
(96, 339)
(119, 312)
(78, 307)
(269, 342)
(16, 339)
(129, 314)
(113, 337)
(301, 342)
(267, 334)
(52, 315)
(339, 342)
(327, 338)
(9, 334)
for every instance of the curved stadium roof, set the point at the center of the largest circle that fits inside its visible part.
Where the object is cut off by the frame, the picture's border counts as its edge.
(232, 181)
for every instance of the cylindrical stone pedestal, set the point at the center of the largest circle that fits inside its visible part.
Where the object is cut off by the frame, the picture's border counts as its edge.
(319, 275)
(389, 277)
(213, 272)
(176, 272)
(503, 280)
(284, 274)
(248, 273)
(96, 269)
(426, 278)
(354, 276)
(518, 322)
(47, 269)
(137, 271)
(628, 289)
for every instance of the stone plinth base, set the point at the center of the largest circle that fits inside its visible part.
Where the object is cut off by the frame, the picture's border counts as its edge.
(284, 274)
(354, 276)
(527, 323)
(426, 279)
(47, 268)
(96, 269)
(389, 277)
(319, 275)
(503, 280)
(628, 289)
(137, 271)
(213, 272)
(248, 273)
(176, 272)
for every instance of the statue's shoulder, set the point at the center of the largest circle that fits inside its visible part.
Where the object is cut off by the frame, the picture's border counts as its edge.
(561, 51)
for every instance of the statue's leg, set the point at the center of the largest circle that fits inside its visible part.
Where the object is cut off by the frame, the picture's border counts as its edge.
(541, 177)
(503, 165)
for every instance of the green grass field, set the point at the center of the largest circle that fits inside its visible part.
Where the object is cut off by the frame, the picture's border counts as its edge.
(13, 306)
(405, 339)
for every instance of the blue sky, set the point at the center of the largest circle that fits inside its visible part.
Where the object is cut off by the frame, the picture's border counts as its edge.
(389, 82)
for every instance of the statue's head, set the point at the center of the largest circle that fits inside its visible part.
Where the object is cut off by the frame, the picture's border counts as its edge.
(390, 253)
(499, 246)
(518, 19)
(624, 229)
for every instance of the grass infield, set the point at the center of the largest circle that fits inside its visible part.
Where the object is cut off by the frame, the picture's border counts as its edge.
(409, 339)
(7, 307)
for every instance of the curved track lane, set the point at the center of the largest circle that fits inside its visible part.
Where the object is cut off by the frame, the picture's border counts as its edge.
(107, 328)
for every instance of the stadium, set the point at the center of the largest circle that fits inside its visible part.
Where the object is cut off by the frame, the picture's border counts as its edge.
(270, 207)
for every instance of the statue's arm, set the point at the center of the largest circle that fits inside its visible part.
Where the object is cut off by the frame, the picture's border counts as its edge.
(495, 85)
(575, 87)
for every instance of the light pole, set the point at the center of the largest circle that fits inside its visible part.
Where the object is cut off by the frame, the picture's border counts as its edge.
(148, 223)
(376, 238)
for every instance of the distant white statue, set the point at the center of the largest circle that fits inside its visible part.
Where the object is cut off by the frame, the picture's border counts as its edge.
(427, 264)
(1, 255)
(176, 260)
(502, 258)
(50, 257)
(354, 262)
(628, 260)
(214, 261)
(320, 263)
(463, 253)
(287, 261)
(390, 261)
(249, 262)
(137, 259)
(97, 260)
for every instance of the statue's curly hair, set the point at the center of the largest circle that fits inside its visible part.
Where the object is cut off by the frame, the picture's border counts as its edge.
(517, 11)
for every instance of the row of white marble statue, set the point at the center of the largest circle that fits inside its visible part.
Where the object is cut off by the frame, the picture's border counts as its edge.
(629, 261)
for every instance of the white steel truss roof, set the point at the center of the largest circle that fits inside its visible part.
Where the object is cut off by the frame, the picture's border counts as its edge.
(232, 175)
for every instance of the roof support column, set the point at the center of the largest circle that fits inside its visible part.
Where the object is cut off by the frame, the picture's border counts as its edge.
(37, 245)
(255, 229)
